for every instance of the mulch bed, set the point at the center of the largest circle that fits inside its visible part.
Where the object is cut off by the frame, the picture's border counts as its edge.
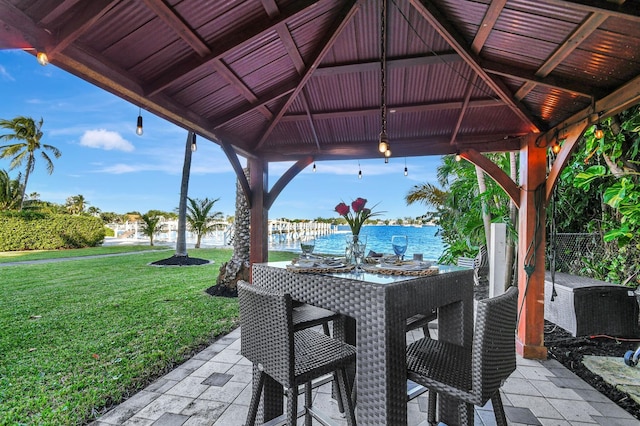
(569, 351)
(180, 261)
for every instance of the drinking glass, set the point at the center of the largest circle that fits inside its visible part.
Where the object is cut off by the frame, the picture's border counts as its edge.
(307, 244)
(399, 243)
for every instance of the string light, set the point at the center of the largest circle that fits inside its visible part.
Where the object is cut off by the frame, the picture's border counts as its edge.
(314, 167)
(383, 143)
(42, 58)
(458, 156)
(194, 147)
(406, 171)
(359, 171)
(598, 132)
(139, 130)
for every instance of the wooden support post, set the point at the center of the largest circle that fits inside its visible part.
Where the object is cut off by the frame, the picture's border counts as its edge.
(531, 243)
(258, 182)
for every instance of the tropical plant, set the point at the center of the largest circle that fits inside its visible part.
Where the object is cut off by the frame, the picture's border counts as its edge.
(27, 134)
(149, 226)
(76, 204)
(10, 191)
(200, 219)
(460, 207)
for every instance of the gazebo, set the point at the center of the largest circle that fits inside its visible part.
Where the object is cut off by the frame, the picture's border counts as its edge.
(311, 80)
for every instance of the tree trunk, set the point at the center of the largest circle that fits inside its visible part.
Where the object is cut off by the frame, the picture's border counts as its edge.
(238, 267)
(181, 238)
(513, 216)
(26, 179)
(486, 217)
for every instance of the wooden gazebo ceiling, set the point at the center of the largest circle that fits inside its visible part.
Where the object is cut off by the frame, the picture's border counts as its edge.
(286, 80)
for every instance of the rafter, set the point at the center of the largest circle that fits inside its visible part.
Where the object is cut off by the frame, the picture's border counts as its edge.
(552, 82)
(392, 63)
(463, 110)
(457, 42)
(242, 37)
(626, 10)
(176, 23)
(585, 29)
(487, 24)
(59, 10)
(340, 23)
(399, 109)
(84, 15)
(239, 85)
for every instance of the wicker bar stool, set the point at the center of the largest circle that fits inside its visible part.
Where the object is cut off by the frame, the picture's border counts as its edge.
(474, 374)
(291, 358)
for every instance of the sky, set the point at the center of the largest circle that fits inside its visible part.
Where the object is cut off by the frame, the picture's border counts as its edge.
(118, 171)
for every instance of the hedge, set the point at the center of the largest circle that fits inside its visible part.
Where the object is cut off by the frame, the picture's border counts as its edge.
(40, 231)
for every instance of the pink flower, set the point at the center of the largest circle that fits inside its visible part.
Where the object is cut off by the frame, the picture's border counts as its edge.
(342, 209)
(358, 204)
(358, 216)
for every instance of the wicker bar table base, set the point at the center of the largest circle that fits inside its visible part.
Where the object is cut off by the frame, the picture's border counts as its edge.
(380, 311)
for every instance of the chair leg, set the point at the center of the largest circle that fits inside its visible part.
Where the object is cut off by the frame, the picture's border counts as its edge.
(343, 384)
(292, 406)
(498, 409)
(307, 404)
(255, 400)
(325, 328)
(431, 413)
(338, 393)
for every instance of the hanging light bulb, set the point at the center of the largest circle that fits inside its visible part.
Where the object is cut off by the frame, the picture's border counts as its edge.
(359, 171)
(383, 145)
(387, 153)
(458, 157)
(556, 148)
(406, 171)
(42, 58)
(139, 125)
(386, 160)
(194, 147)
(314, 167)
(598, 132)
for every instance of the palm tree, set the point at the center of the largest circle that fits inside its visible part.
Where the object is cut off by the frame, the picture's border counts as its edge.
(28, 134)
(10, 190)
(149, 226)
(76, 204)
(200, 218)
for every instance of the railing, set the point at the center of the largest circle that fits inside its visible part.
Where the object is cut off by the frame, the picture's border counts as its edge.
(279, 231)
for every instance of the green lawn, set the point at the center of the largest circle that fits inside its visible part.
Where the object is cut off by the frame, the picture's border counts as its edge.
(19, 256)
(80, 335)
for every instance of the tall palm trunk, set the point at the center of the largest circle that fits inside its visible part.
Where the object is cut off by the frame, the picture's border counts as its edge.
(26, 179)
(513, 215)
(181, 238)
(486, 217)
(238, 267)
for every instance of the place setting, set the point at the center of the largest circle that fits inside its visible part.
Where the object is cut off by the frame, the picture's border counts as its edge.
(396, 264)
(310, 263)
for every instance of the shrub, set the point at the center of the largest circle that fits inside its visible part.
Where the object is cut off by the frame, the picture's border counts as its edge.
(41, 231)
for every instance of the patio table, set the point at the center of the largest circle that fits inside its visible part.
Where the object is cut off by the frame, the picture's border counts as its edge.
(380, 305)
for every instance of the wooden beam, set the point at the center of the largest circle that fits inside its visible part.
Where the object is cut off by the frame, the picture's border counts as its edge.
(237, 168)
(351, 7)
(486, 26)
(463, 110)
(258, 240)
(393, 63)
(531, 249)
(239, 85)
(84, 15)
(428, 11)
(186, 33)
(495, 172)
(588, 26)
(284, 180)
(624, 10)
(60, 9)
(564, 85)
(328, 115)
(240, 38)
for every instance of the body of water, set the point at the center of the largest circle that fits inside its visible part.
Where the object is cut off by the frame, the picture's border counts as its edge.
(421, 240)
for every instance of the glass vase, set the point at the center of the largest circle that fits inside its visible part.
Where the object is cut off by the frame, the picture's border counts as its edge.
(355, 250)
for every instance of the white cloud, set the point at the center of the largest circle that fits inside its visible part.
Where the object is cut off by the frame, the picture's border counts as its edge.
(118, 169)
(105, 139)
(4, 74)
